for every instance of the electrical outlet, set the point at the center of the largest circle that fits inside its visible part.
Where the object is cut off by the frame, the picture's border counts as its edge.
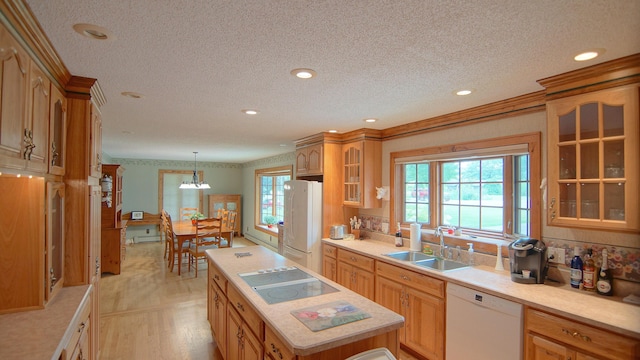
(556, 255)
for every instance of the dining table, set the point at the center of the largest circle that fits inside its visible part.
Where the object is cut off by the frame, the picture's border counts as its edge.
(185, 230)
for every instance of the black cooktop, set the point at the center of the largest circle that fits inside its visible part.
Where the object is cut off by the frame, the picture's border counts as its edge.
(285, 284)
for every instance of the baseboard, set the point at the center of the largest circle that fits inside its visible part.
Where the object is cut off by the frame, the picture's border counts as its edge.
(146, 238)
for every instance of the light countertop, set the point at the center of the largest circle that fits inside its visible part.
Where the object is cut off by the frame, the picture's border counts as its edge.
(298, 337)
(42, 334)
(578, 305)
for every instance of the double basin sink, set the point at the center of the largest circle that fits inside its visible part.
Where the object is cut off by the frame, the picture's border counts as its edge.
(427, 261)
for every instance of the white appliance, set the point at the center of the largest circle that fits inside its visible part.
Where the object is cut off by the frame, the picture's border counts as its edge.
(303, 223)
(481, 326)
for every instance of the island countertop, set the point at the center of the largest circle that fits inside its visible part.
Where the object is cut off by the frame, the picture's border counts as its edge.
(575, 304)
(298, 337)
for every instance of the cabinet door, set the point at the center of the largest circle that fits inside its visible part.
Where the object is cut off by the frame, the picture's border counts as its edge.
(301, 162)
(329, 268)
(541, 349)
(36, 133)
(314, 160)
(391, 295)
(54, 264)
(425, 316)
(352, 172)
(234, 333)
(593, 165)
(364, 283)
(219, 318)
(345, 275)
(95, 156)
(57, 132)
(252, 348)
(13, 90)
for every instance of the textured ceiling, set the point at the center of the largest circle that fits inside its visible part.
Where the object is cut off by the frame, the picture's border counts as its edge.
(198, 63)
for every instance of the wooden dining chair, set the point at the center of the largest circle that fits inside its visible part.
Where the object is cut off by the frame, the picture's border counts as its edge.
(208, 235)
(228, 223)
(187, 212)
(163, 224)
(175, 249)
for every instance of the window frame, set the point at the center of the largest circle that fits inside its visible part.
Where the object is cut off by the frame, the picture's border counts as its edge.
(484, 148)
(259, 174)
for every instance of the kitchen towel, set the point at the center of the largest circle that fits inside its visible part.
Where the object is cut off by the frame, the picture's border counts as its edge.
(414, 237)
(328, 315)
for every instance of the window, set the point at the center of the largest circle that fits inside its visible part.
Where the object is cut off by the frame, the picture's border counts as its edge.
(270, 193)
(484, 189)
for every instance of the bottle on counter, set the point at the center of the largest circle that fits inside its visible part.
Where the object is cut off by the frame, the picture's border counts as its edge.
(576, 269)
(604, 285)
(589, 272)
(398, 236)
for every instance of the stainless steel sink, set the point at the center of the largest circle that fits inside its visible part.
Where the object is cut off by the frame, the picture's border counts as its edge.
(441, 264)
(409, 256)
(427, 261)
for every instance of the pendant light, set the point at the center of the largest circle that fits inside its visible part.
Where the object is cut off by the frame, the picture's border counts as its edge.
(195, 184)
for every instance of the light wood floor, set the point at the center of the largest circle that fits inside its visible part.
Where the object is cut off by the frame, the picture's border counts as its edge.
(147, 312)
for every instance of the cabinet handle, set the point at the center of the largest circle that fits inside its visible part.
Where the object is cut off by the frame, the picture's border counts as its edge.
(81, 327)
(54, 153)
(576, 334)
(275, 350)
(404, 277)
(353, 259)
(240, 306)
(28, 144)
(216, 277)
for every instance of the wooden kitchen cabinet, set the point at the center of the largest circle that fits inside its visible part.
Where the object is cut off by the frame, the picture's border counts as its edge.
(309, 160)
(14, 81)
(36, 132)
(356, 272)
(420, 299)
(593, 163)
(54, 248)
(329, 262)
(113, 233)
(554, 337)
(274, 348)
(80, 345)
(361, 173)
(57, 132)
(245, 329)
(217, 307)
(231, 202)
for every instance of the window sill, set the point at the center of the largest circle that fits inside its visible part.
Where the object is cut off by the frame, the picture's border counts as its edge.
(273, 231)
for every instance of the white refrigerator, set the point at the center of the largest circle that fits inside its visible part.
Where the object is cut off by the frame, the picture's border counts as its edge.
(303, 223)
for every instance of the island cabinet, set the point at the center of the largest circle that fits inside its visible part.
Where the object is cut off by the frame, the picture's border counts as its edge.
(329, 262)
(113, 233)
(356, 272)
(245, 329)
(309, 160)
(361, 173)
(420, 299)
(553, 337)
(217, 307)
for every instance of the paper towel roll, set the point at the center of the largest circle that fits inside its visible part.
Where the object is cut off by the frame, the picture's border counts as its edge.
(414, 237)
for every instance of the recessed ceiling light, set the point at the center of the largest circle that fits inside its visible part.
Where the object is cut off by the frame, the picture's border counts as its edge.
(303, 73)
(132, 95)
(250, 112)
(333, 131)
(93, 31)
(372, 120)
(463, 92)
(588, 55)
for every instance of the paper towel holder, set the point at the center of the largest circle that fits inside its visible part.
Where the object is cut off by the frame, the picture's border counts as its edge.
(382, 193)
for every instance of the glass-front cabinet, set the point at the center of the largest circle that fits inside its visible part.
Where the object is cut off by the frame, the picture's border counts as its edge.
(361, 173)
(54, 268)
(230, 202)
(593, 160)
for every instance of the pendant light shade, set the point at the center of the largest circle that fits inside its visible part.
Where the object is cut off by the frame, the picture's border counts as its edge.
(195, 184)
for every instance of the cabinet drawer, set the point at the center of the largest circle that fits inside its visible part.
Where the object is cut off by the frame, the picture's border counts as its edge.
(250, 316)
(79, 329)
(329, 250)
(581, 336)
(216, 275)
(274, 348)
(411, 278)
(358, 260)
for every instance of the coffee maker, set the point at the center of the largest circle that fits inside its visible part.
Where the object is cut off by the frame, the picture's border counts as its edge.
(528, 260)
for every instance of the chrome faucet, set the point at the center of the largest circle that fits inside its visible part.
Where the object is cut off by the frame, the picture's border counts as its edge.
(440, 233)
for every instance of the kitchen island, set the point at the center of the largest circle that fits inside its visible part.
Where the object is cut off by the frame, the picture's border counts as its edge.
(242, 320)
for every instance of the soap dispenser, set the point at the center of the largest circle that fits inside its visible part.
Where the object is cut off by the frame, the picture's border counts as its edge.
(470, 254)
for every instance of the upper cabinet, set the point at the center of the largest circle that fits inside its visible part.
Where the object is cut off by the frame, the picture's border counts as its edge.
(36, 131)
(593, 134)
(309, 160)
(14, 80)
(57, 132)
(361, 173)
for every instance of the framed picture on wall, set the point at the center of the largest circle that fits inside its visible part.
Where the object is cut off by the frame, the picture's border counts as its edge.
(137, 215)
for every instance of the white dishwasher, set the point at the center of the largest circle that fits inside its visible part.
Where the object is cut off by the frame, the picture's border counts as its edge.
(481, 326)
